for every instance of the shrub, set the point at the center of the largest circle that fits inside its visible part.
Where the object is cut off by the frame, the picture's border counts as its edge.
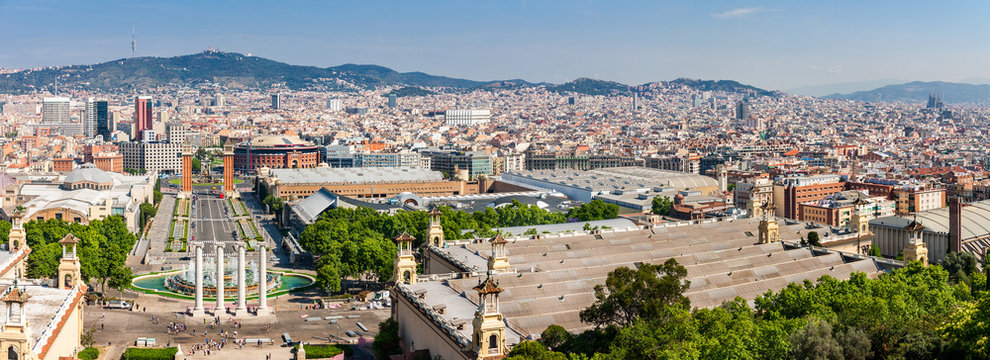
(149, 354)
(321, 351)
(89, 353)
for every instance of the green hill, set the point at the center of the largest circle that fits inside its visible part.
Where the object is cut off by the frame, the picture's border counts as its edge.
(589, 87)
(227, 69)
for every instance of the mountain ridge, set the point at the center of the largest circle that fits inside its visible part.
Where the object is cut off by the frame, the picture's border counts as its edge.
(238, 71)
(918, 91)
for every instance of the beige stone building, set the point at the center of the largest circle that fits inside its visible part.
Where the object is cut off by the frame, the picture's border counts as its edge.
(477, 299)
(364, 183)
(40, 321)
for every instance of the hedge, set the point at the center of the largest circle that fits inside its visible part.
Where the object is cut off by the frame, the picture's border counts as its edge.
(149, 354)
(89, 353)
(321, 351)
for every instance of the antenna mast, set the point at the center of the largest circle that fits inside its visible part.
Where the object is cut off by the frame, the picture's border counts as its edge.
(133, 42)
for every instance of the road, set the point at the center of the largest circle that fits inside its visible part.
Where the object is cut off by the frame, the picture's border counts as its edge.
(212, 222)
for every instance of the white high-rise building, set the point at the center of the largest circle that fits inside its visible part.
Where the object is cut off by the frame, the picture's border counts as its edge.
(55, 110)
(467, 117)
(89, 119)
(334, 105)
(219, 101)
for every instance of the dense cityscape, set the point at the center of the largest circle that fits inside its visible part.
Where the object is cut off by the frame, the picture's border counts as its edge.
(223, 205)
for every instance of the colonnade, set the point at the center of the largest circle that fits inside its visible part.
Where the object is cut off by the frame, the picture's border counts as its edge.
(241, 308)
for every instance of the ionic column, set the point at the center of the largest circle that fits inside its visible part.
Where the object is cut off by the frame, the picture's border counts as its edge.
(220, 307)
(263, 281)
(198, 305)
(241, 283)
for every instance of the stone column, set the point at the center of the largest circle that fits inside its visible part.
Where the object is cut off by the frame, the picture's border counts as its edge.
(263, 281)
(228, 171)
(198, 305)
(220, 307)
(241, 283)
(186, 174)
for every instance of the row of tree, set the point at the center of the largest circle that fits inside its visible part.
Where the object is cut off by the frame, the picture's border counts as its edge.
(916, 312)
(102, 250)
(352, 243)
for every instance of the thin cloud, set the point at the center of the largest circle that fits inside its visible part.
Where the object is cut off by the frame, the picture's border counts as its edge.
(738, 13)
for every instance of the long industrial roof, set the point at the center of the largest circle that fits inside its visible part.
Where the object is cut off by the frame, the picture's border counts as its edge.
(324, 175)
(310, 208)
(554, 277)
(620, 178)
(975, 220)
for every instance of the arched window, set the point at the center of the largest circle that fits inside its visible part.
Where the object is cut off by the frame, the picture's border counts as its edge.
(436, 241)
(12, 353)
(493, 344)
(406, 276)
(68, 281)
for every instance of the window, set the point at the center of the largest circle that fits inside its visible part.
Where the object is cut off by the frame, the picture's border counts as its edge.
(493, 344)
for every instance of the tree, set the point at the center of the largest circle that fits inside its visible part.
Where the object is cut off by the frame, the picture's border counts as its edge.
(594, 210)
(967, 332)
(815, 342)
(86, 338)
(813, 238)
(645, 293)
(119, 277)
(102, 249)
(875, 251)
(855, 344)
(147, 211)
(554, 336)
(158, 191)
(328, 275)
(959, 265)
(532, 350)
(662, 205)
(197, 165)
(387, 341)
(4, 231)
(274, 204)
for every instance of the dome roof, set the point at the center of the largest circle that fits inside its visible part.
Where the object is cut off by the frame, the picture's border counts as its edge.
(278, 141)
(88, 172)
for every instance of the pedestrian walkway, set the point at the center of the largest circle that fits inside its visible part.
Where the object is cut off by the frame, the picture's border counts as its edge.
(159, 232)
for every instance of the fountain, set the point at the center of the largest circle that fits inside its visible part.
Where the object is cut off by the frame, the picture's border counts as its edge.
(184, 282)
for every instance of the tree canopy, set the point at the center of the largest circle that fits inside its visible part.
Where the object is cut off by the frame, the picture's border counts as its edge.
(662, 205)
(102, 250)
(915, 312)
(645, 293)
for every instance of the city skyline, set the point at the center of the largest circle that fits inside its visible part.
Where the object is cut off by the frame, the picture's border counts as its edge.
(774, 45)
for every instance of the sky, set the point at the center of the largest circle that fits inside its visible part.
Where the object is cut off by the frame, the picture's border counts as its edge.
(771, 44)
